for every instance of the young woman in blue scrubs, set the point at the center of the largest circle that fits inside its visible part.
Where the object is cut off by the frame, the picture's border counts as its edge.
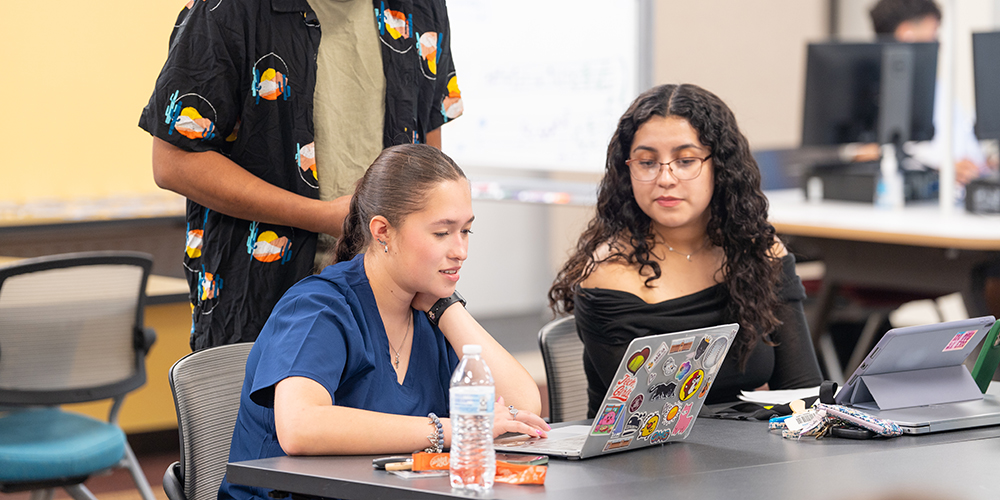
(350, 362)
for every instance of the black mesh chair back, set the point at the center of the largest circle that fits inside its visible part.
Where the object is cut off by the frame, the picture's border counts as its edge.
(71, 331)
(206, 386)
(562, 352)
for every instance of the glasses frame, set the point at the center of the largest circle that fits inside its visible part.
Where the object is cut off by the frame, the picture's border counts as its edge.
(670, 168)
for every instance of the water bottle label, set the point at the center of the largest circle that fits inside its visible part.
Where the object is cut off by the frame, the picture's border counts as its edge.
(472, 403)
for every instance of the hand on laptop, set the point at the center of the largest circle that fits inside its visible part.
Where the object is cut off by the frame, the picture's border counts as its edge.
(508, 419)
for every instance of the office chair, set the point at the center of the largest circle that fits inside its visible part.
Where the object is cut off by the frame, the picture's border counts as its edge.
(206, 386)
(562, 352)
(71, 330)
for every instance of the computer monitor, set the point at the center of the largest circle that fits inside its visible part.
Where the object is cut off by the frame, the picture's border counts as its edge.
(986, 64)
(869, 93)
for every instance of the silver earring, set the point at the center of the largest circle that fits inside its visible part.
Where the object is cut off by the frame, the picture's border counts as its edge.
(385, 246)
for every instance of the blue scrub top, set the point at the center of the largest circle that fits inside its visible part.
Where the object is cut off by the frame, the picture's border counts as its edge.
(327, 328)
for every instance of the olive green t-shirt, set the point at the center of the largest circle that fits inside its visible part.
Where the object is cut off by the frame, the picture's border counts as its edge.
(349, 100)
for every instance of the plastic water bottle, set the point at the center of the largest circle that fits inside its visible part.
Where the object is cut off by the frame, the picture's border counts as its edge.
(889, 189)
(472, 460)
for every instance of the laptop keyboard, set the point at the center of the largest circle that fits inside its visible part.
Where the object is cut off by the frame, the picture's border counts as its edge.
(563, 445)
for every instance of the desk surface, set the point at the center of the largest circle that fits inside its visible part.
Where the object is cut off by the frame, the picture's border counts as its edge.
(161, 204)
(922, 225)
(159, 289)
(720, 459)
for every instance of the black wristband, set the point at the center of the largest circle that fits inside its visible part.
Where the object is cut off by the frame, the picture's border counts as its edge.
(435, 312)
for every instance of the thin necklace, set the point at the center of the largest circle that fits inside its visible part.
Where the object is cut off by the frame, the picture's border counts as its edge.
(401, 344)
(688, 256)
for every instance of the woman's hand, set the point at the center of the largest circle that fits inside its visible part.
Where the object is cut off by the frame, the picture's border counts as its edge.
(523, 422)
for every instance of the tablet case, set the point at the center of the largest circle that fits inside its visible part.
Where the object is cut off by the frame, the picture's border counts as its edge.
(918, 366)
(989, 359)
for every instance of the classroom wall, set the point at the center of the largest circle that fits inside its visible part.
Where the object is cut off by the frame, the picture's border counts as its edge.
(77, 82)
(751, 54)
(77, 76)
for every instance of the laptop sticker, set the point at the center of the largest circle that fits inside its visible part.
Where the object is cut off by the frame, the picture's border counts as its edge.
(609, 417)
(704, 388)
(682, 345)
(683, 420)
(959, 341)
(702, 347)
(637, 359)
(661, 391)
(657, 357)
(670, 366)
(691, 385)
(660, 436)
(634, 423)
(684, 370)
(624, 387)
(715, 352)
(649, 426)
(620, 426)
(636, 403)
(614, 444)
(670, 411)
(653, 361)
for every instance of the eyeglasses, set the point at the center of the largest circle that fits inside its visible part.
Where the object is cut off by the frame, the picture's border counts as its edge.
(683, 169)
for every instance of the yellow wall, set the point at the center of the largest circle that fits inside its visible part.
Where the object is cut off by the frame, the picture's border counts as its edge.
(76, 75)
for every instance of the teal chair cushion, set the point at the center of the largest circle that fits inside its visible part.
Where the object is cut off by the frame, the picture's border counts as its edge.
(45, 444)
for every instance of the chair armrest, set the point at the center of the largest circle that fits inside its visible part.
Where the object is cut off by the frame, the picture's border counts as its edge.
(173, 486)
(144, 339)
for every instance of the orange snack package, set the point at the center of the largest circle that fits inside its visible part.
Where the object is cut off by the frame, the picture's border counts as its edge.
(506, 472)
(430, 461)
(520, 473)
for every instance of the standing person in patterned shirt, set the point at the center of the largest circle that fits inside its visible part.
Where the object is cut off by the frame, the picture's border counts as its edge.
(265, 114)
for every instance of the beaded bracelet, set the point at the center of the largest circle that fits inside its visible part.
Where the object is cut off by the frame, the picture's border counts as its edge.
(436, 439)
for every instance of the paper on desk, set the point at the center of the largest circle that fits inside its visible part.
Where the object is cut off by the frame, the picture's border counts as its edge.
(778, 397)
(409, 474)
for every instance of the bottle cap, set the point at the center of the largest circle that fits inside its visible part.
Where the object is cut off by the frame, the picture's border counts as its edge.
(472, 349)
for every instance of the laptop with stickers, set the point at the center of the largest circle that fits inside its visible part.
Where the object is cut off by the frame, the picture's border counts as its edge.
(658, 390)
(915, 376)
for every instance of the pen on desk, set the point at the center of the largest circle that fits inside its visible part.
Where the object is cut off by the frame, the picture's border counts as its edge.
(381, 463)
(399, 466)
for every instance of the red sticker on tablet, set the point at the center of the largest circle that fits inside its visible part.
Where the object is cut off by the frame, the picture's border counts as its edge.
(959, 341)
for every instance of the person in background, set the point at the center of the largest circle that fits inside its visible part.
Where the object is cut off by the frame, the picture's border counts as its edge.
(918, 21)
(914, 21)
(358, 359)
(264, 116)
(681, 241)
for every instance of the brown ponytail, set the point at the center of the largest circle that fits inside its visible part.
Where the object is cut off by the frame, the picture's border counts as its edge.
(394, 187)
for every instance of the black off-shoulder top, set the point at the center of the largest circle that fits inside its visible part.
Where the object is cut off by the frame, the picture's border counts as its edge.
(608, 320)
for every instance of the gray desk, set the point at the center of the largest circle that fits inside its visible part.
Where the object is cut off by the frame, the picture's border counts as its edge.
(720, 459)
(918, 249)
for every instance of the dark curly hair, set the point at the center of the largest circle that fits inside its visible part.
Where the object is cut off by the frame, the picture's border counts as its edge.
(887, 15)
(738, 214)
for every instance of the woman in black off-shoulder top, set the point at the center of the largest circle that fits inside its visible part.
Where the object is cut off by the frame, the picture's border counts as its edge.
(681, 241)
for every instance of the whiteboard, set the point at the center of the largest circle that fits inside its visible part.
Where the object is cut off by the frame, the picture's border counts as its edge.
(543, 82)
